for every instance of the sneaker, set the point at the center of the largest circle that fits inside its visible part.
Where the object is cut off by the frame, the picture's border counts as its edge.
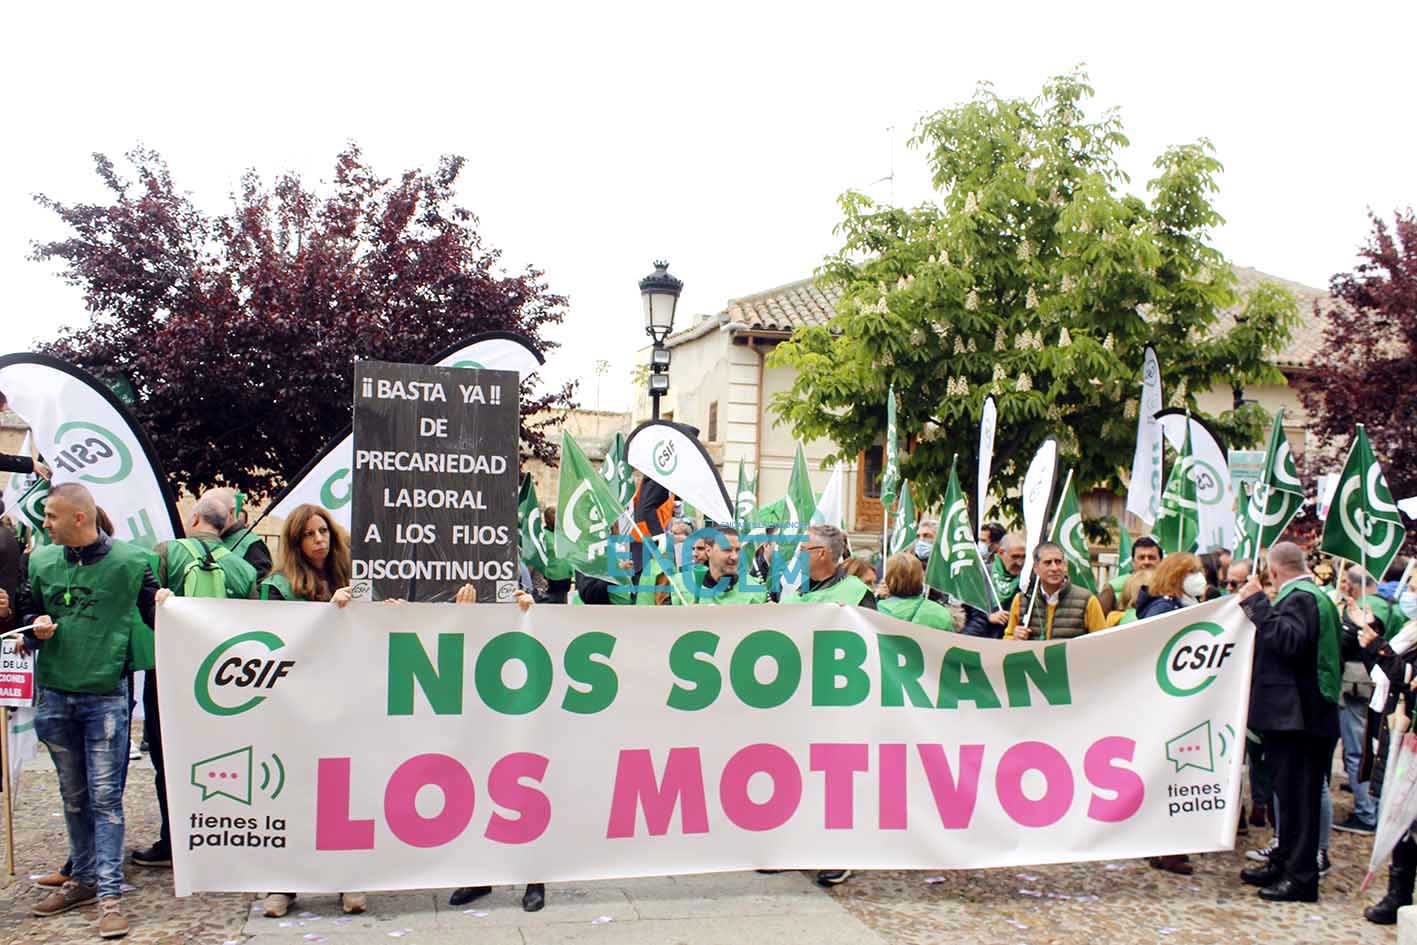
(1351, 824)
(276, 905)
(69, 896)
(112, 923)
(156, 855)
(832, 877)
(352, 903)
(1264, 852)
(54, 879)
(1325, 864)
(134, 753)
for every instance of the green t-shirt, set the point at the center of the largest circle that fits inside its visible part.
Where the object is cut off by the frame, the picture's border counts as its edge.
(99, 633)
(919, 610)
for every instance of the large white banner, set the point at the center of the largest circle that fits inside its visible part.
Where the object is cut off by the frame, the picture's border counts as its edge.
(393, 746)
(1210, 471)
(86, 435)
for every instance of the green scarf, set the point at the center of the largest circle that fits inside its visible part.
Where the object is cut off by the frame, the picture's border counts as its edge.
(1330, 667)
(1004, 582)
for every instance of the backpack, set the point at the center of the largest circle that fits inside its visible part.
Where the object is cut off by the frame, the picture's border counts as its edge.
(203, 576)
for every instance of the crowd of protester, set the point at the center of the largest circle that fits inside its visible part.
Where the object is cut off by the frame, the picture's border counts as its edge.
(92, 599)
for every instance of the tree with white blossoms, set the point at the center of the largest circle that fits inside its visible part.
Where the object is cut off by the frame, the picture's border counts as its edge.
(1035, 277)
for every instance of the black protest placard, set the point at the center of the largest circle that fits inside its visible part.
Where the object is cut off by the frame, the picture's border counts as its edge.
(435, 481)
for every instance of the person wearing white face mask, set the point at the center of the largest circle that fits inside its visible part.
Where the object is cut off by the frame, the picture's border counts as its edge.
(1179, 582)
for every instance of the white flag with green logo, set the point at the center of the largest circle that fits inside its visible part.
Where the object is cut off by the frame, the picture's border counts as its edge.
(1068, 533)
(1144, 490)
(586, 510)
(326, 480)
(87, 436)
(670, 455)
(1364, 525)
(1178, 526)
(616, 471)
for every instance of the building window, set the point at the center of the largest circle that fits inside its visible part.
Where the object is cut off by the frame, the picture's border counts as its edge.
(713, 422)
(873, 462)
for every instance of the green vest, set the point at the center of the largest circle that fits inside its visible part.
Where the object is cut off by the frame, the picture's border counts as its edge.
(734, 594)
(919, 610)
(1128, 616)
(1069, 616)
(239, 541)
(100, 633)
(1117, 583)
(278, 585)
(240, 576)
(849, 590)
(1330, 635)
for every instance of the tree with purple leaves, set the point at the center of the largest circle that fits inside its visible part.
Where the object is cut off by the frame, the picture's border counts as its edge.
(234, 336)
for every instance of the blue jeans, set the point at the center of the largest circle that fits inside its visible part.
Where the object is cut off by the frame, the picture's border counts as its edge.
(87, 736)
(1351, 723)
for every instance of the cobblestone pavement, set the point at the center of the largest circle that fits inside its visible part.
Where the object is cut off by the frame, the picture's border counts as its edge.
(1121, 902)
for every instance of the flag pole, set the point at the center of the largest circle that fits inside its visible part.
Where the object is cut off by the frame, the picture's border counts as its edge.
(9, 790)
(1362, 529)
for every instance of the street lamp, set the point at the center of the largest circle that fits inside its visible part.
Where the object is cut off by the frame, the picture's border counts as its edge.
(659, 294)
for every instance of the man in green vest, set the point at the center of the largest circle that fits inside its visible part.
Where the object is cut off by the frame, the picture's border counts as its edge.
(827, 580)
(240, 540)
(182, 566)
(91, 603)
(1294, 697)
(716, 582)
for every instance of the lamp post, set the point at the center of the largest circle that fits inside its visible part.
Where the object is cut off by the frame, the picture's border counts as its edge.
(659, 293)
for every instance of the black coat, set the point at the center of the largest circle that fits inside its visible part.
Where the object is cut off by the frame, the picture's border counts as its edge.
(976, 624)
(1284, 692)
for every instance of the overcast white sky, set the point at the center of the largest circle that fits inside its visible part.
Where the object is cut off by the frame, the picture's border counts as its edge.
(602, 136)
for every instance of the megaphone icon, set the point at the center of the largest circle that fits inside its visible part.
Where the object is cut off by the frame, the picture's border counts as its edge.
(229, 775)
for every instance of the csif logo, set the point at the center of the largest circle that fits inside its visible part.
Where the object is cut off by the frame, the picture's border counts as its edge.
(253, 667)
(331, 499)
(666, 457)
(92, 453)
(1191, 659)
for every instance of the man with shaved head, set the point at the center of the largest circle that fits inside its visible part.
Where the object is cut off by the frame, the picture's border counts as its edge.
(1294, 697)
(91, 603)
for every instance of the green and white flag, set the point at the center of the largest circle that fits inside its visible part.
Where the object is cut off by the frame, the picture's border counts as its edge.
(1278, 496)
(1246, 528)
(1178, 525)
(955, 567)
(1068, 533)
(30, 514)
(890, 478)
(616, 471)
(1124, 551)
(904, 532)
(801, 500)
(586, 508)
(532, 538)
(1363, 525)
(746, 500)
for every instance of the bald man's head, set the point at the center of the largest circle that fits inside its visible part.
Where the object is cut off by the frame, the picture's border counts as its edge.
(71, 516)
(1012, 551)
(1286, 560)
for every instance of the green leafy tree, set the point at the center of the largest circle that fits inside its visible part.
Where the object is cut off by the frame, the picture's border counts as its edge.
(1034, 277)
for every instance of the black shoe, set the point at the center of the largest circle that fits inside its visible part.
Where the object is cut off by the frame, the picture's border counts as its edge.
(1351, 824)
(534, 899)
(1384, 911)
(1324, 863)
(465, 894)
(1287, 890)
(1265, 875)
(832, 877)
(156, 855)
(143, 746)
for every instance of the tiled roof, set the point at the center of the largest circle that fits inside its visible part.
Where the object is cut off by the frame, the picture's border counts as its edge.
(800, 304)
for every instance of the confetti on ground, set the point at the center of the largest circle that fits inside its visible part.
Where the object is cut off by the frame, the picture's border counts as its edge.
(286, 925)
(1030, 892)
(475, 913)
(1114, 866)
(1316, 918)
(932, 880)
(601, 920)
(1027, 877)
(1167, 930)
(1016, 924)
(308, 915)
(312, 937)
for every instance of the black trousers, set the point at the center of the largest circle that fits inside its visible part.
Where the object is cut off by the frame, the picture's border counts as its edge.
(152, 728)
(1299, 763)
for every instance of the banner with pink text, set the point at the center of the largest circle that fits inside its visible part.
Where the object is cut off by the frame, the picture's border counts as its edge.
(395, 746)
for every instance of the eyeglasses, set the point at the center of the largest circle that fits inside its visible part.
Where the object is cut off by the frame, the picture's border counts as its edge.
(1234, 585)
